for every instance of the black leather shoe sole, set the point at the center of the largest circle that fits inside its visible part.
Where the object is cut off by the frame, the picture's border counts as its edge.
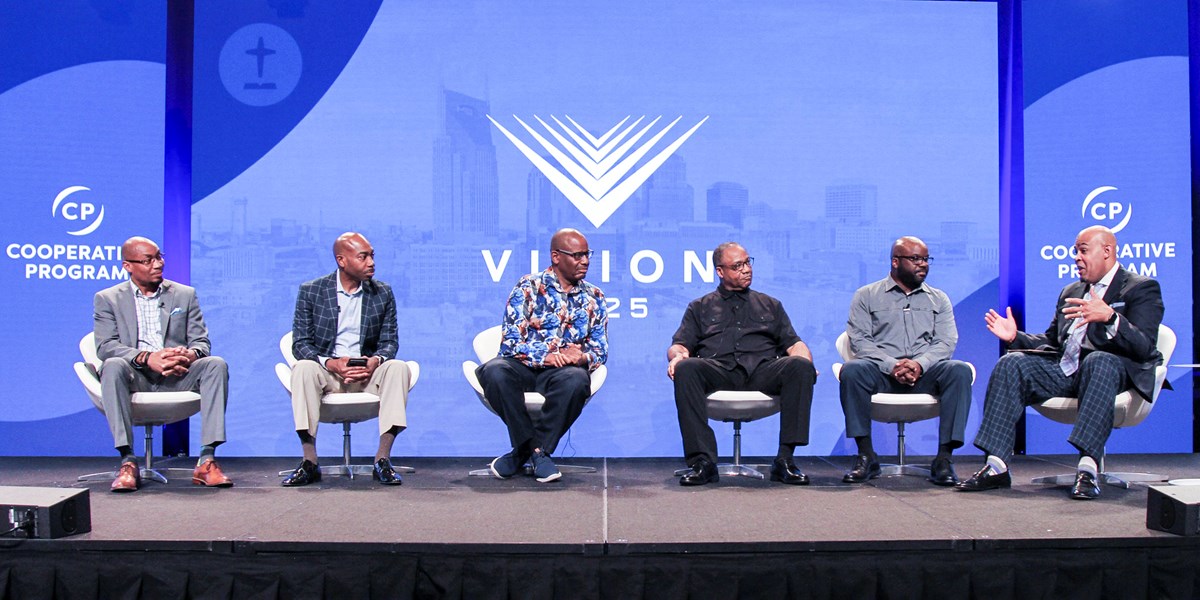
(303, 479)
(863, 477)
(700, 477)
(789, 479)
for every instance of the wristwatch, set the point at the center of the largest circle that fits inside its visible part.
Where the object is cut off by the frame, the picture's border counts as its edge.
(1113, 319)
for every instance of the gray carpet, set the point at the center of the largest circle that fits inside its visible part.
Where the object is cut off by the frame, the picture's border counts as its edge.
(627, 503)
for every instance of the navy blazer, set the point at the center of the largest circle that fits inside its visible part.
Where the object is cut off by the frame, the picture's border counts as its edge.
(314, 326)
(1138, 299)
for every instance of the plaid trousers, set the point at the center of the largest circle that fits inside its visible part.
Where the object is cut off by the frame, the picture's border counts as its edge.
(1023, 379)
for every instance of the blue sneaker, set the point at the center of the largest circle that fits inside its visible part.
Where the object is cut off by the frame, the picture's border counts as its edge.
(506, 466)
(543, 468)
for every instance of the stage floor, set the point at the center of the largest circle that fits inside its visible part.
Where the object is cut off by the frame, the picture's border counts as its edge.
(627, 506)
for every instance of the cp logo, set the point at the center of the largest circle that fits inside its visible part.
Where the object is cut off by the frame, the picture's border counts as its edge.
(85, 213)
(1106, 212)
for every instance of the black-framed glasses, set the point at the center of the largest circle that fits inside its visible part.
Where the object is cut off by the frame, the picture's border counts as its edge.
(576, 255)
(916, 260)
(157, 258)
(740, 265)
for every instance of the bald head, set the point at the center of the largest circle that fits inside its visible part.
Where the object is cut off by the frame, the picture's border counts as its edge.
(910, 262)
(134, 247)
(144, 263)
(355, 259)
(569, 256)
(1095, 253)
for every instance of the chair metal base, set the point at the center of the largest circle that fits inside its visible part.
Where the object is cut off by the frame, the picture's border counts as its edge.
(734, 470)
(1115, 479)
(346, 469)
(147, 474)
(350, 471)
(564, 469)
(887, 470)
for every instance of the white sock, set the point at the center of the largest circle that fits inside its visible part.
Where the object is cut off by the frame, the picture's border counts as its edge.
(1087, 463)
(996, 464)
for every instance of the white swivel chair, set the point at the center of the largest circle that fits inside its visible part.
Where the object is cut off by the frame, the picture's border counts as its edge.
(737, 407)
(1131, 408)
(486, 346)
(341, 407)
(149, 409)
(900, 409)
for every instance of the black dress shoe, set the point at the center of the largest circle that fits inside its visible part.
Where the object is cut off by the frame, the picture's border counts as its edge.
(941, 472)
(306, 473)
(784, 470)
(984, 480)
(865, 468)
(702, 472)
(385, 474)
(1085, 487)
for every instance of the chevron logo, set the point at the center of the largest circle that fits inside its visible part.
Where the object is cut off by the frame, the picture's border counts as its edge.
(596, 171)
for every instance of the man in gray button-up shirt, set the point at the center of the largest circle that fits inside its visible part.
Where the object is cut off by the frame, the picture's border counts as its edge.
(902, 336)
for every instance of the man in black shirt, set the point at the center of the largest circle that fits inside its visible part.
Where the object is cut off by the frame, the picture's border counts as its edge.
(738, 339)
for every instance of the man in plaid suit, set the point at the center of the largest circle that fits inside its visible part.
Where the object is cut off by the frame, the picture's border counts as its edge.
(344, 339)
(1102, 340)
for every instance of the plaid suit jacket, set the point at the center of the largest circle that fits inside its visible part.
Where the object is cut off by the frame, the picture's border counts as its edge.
(1138, 299)
(314, 326)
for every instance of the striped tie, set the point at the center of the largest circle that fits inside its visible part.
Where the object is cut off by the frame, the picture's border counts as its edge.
(1070, 358)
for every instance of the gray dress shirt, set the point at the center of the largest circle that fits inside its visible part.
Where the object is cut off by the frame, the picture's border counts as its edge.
(886, 325)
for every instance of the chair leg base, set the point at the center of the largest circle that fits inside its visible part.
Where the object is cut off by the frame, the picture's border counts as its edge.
(351, 470)
(891, 470)
(528, 469)
(147, 474)
(733, 470)
(1115, 479)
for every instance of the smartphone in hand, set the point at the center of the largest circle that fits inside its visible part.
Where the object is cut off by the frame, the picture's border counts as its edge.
(360, 361)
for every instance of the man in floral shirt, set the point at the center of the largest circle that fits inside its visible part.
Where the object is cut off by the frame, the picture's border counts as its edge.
(555, 334)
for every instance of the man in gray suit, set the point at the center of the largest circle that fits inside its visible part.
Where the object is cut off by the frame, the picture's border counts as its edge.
(151, 336)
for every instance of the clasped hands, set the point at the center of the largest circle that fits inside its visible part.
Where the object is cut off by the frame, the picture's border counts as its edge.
(342, 369)
(907, 371)
(571, 354)
(171, 362)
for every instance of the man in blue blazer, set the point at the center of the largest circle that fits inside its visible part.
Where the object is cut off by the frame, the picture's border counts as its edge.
(151, 336)
(344, 339)
(1103, 339)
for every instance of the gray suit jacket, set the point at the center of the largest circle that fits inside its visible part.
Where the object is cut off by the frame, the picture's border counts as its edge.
(116, 324)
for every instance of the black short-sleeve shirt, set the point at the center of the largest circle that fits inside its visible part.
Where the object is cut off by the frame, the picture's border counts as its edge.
(743, 328)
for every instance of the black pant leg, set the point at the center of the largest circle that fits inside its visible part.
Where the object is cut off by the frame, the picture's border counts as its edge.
(505, 381)
(695, 379)
(792, 378)
(566, 389)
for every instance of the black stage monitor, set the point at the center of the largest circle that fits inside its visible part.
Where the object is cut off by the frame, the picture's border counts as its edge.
(1174, 509)
(38, 512)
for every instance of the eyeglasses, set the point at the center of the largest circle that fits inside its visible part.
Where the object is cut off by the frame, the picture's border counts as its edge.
(576, 255)
(916, 259)
(741, 265)
(157, 258)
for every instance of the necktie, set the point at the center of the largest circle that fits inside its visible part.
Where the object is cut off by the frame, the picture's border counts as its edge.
(1070, 358)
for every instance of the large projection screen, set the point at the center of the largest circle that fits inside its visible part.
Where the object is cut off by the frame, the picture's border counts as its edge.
(815, 133)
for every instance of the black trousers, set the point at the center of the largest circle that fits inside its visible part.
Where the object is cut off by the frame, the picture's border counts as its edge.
(505, 381)
(789, 377)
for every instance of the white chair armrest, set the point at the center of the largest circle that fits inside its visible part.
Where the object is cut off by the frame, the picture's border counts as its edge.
(284, 373)
(597, 379)
(468, 368)
(91, 382)
(414, 373)
(837, 371)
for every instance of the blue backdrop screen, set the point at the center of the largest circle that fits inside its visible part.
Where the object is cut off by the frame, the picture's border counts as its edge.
(815, 133)
(81, 170)
(1106, 142)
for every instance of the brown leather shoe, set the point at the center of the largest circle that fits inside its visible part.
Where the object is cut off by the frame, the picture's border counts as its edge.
(129, 477)
(209, 474)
